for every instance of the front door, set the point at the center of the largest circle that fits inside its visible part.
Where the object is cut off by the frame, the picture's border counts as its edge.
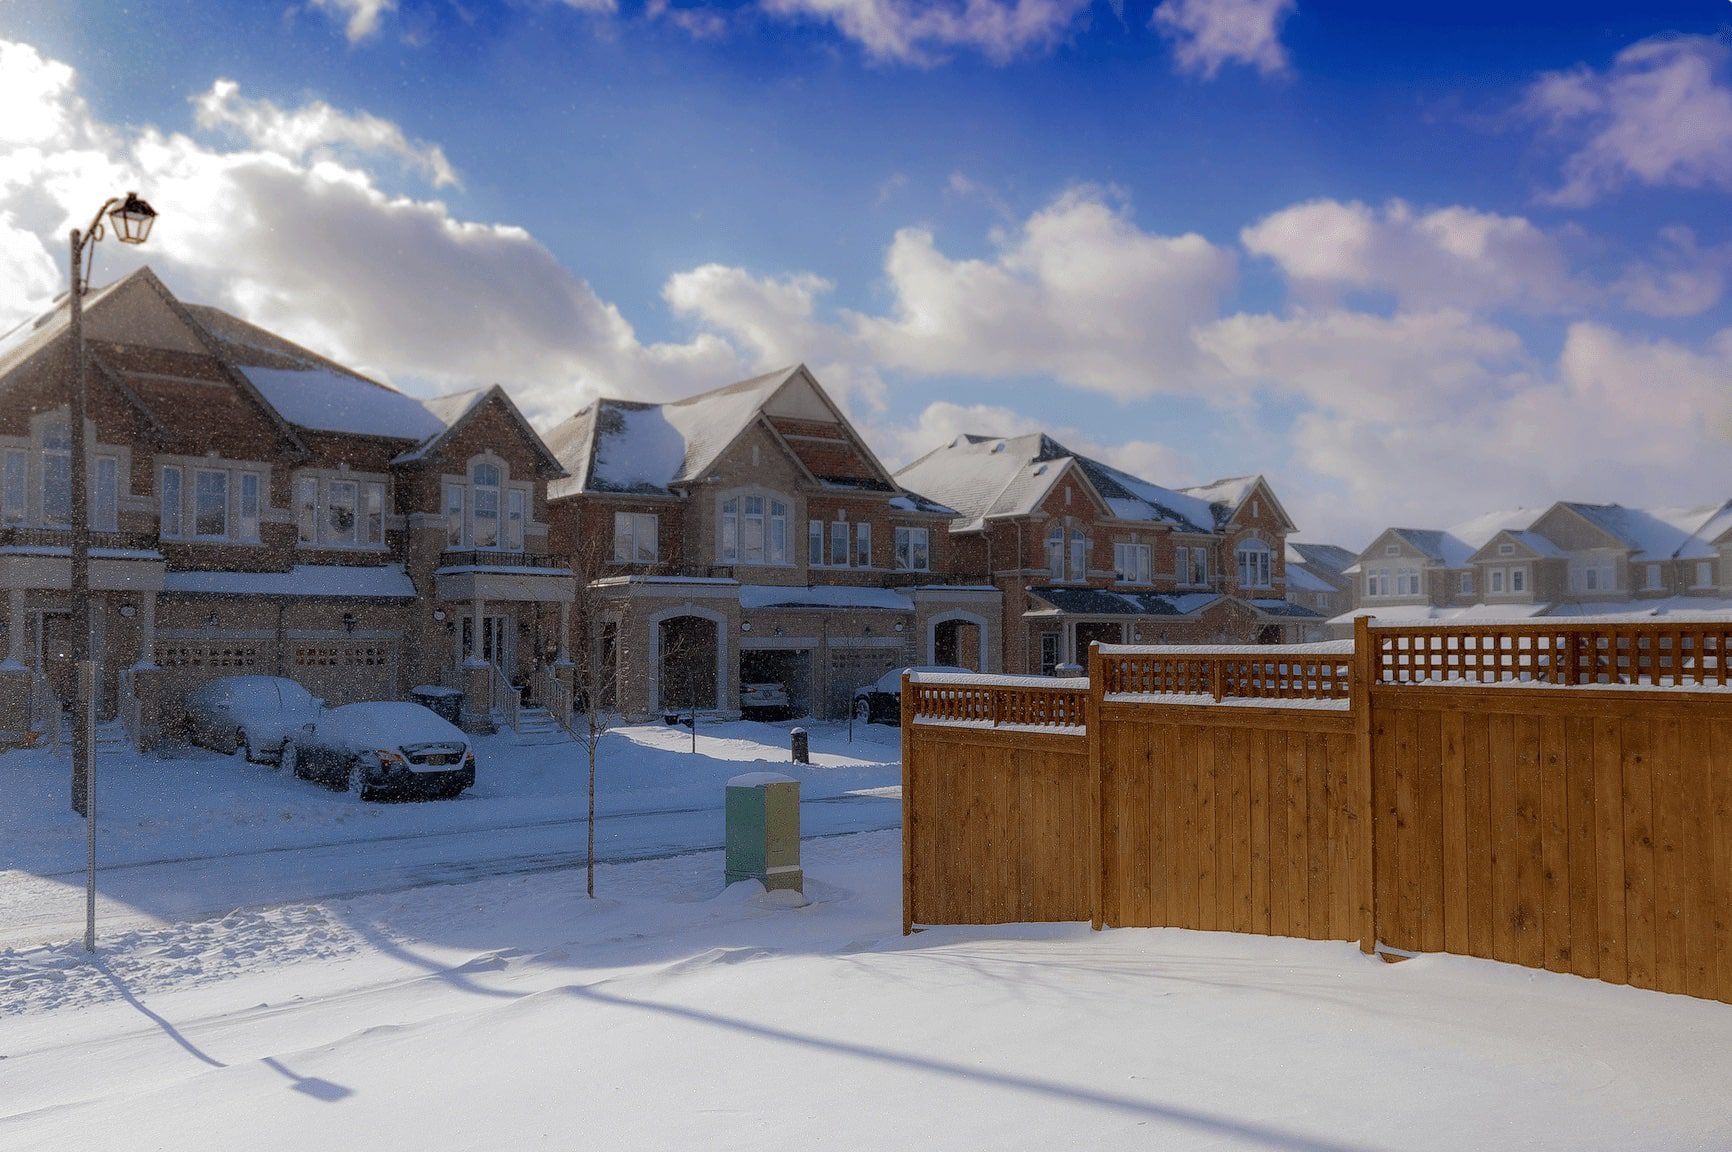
(55, 657)
(498, 641)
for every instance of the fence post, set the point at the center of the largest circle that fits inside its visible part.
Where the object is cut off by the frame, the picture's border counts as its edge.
(1364, 668)
(907, 701)
(1216, 664)
(1097, 842)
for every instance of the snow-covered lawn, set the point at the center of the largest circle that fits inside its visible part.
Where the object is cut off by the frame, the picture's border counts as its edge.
(198, 834)
(513, 1013)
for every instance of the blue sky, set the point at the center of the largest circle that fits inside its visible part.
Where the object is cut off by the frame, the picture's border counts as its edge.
(1412, 265)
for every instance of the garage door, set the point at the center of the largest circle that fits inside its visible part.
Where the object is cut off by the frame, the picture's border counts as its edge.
(346, 671)
(852, 668)
(190, 663)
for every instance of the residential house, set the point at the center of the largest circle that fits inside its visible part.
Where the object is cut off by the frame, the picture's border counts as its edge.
(747, 535)
(1317, 580)
(1083, 552)
(259, 508)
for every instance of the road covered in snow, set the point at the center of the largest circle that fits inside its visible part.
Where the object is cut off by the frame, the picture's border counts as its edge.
(670, 1013)
(196, 835)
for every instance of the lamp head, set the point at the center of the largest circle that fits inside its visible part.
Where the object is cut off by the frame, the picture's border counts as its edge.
(132, 220)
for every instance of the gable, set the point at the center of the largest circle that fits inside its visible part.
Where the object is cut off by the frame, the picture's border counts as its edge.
(1258, 508)
(489, 424)
(1573, 532)
(799, 399)
(1085, 502)
(136, 313)
(1378, 549)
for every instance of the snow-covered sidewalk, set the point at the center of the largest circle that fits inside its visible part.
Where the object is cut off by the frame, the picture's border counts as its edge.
(669, 1014)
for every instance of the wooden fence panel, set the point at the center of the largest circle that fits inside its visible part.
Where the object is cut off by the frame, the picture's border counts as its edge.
(1553, 796)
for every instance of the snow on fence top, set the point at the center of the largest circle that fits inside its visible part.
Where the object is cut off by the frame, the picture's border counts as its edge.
(1271, 651)
(985, 679)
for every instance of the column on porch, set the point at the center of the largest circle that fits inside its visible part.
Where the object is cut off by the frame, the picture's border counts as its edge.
(477, 672)
(145, 677)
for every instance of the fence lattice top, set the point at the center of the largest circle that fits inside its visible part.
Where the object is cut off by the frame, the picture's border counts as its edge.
(1022, 702)
(1681, 655)
(1250, 673)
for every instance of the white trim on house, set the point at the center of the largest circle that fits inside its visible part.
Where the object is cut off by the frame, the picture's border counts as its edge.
(655, 651)
(967, 618)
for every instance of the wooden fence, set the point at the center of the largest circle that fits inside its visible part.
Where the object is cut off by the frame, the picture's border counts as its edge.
(1558, 797)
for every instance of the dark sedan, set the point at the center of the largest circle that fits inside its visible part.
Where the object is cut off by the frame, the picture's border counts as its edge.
(880, 702)
(382, 747)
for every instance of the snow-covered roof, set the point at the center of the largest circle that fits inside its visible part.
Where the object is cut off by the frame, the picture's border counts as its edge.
(1300, 580)
(755, 596)
(1329, 557)
(1655, 534)
(1454, 547)
(988, 476)
(1106, 602)
(325, 400)
(1224, 496)
(385, 582)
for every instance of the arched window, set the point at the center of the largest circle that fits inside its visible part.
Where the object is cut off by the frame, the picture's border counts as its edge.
(484, 525)
(1055, 552)
(1254, 564)
(1079, 555)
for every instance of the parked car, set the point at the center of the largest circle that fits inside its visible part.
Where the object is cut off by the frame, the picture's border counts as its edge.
(880, 702)
(765, 700)
(249, 715)
(380, 747)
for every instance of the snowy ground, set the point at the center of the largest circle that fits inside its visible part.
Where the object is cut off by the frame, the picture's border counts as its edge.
(195, 834)
(513, 1013)
(284, 968)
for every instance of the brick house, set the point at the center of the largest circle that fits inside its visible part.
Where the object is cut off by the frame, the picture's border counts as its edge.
(1083, 552)
(748, 534)
(259, 508)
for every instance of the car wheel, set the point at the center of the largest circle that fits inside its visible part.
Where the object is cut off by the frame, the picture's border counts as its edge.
(357, 781)
(290, 759)
(243, 746)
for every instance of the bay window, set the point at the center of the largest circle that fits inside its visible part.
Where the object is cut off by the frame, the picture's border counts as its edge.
(863, 544)
(754, 530)
(1254, 566)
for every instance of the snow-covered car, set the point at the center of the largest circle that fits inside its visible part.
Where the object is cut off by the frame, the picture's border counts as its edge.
(249, 715)
(382, 746)
(880, 702)
(765, 700)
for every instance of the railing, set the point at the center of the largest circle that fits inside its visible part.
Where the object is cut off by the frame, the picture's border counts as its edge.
(57, 538)
(1668, 656)
(130, 709)
(45, 709)
(485, 558)
(507, 698)
(1290, 672)
(999, 701)
(555, 696)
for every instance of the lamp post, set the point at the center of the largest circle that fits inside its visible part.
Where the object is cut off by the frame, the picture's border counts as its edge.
(132, 219)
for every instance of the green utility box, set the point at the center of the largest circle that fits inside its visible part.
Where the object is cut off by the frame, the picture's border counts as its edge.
(764, 831)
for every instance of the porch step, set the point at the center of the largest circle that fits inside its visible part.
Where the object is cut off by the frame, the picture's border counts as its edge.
(537, 726)
(110, 738)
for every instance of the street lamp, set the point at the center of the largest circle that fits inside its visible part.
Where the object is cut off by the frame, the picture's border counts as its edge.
(132, 219)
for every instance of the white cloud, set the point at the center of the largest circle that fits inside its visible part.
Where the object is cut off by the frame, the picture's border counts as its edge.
(1682, 278)
(921, 32)
(317, 131)
(1078, 293)
(316, 249)
(1453, 257)
(700, 23)
(360, 18)
(1661, 115)
(1209, 33)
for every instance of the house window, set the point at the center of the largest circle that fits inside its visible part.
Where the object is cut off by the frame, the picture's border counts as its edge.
(169, 499)
(56, 476)
(514, 520)
(14, 498)
(210, 504)
(1048, 653)
(376, 514)
(1253, 558)
(1133, 563)
(453, 515)
(248, 522)
(635, 538)
(1199, 566)
(1055, 552)
(1518, 579)
(815, 542)
(1653, 583)
(1377, 582)
(1466, 585)
(340, 512)
(839, 543)
(484, 526)
(1392, 549)
(1079, 556)
(105, 495)
(1407, 583)
(1704, 573)
(1496, 580)
(1506, 549)
(863, 544)
(911, 550)
(1181, 564)
(1591, 579)
(754, 530)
